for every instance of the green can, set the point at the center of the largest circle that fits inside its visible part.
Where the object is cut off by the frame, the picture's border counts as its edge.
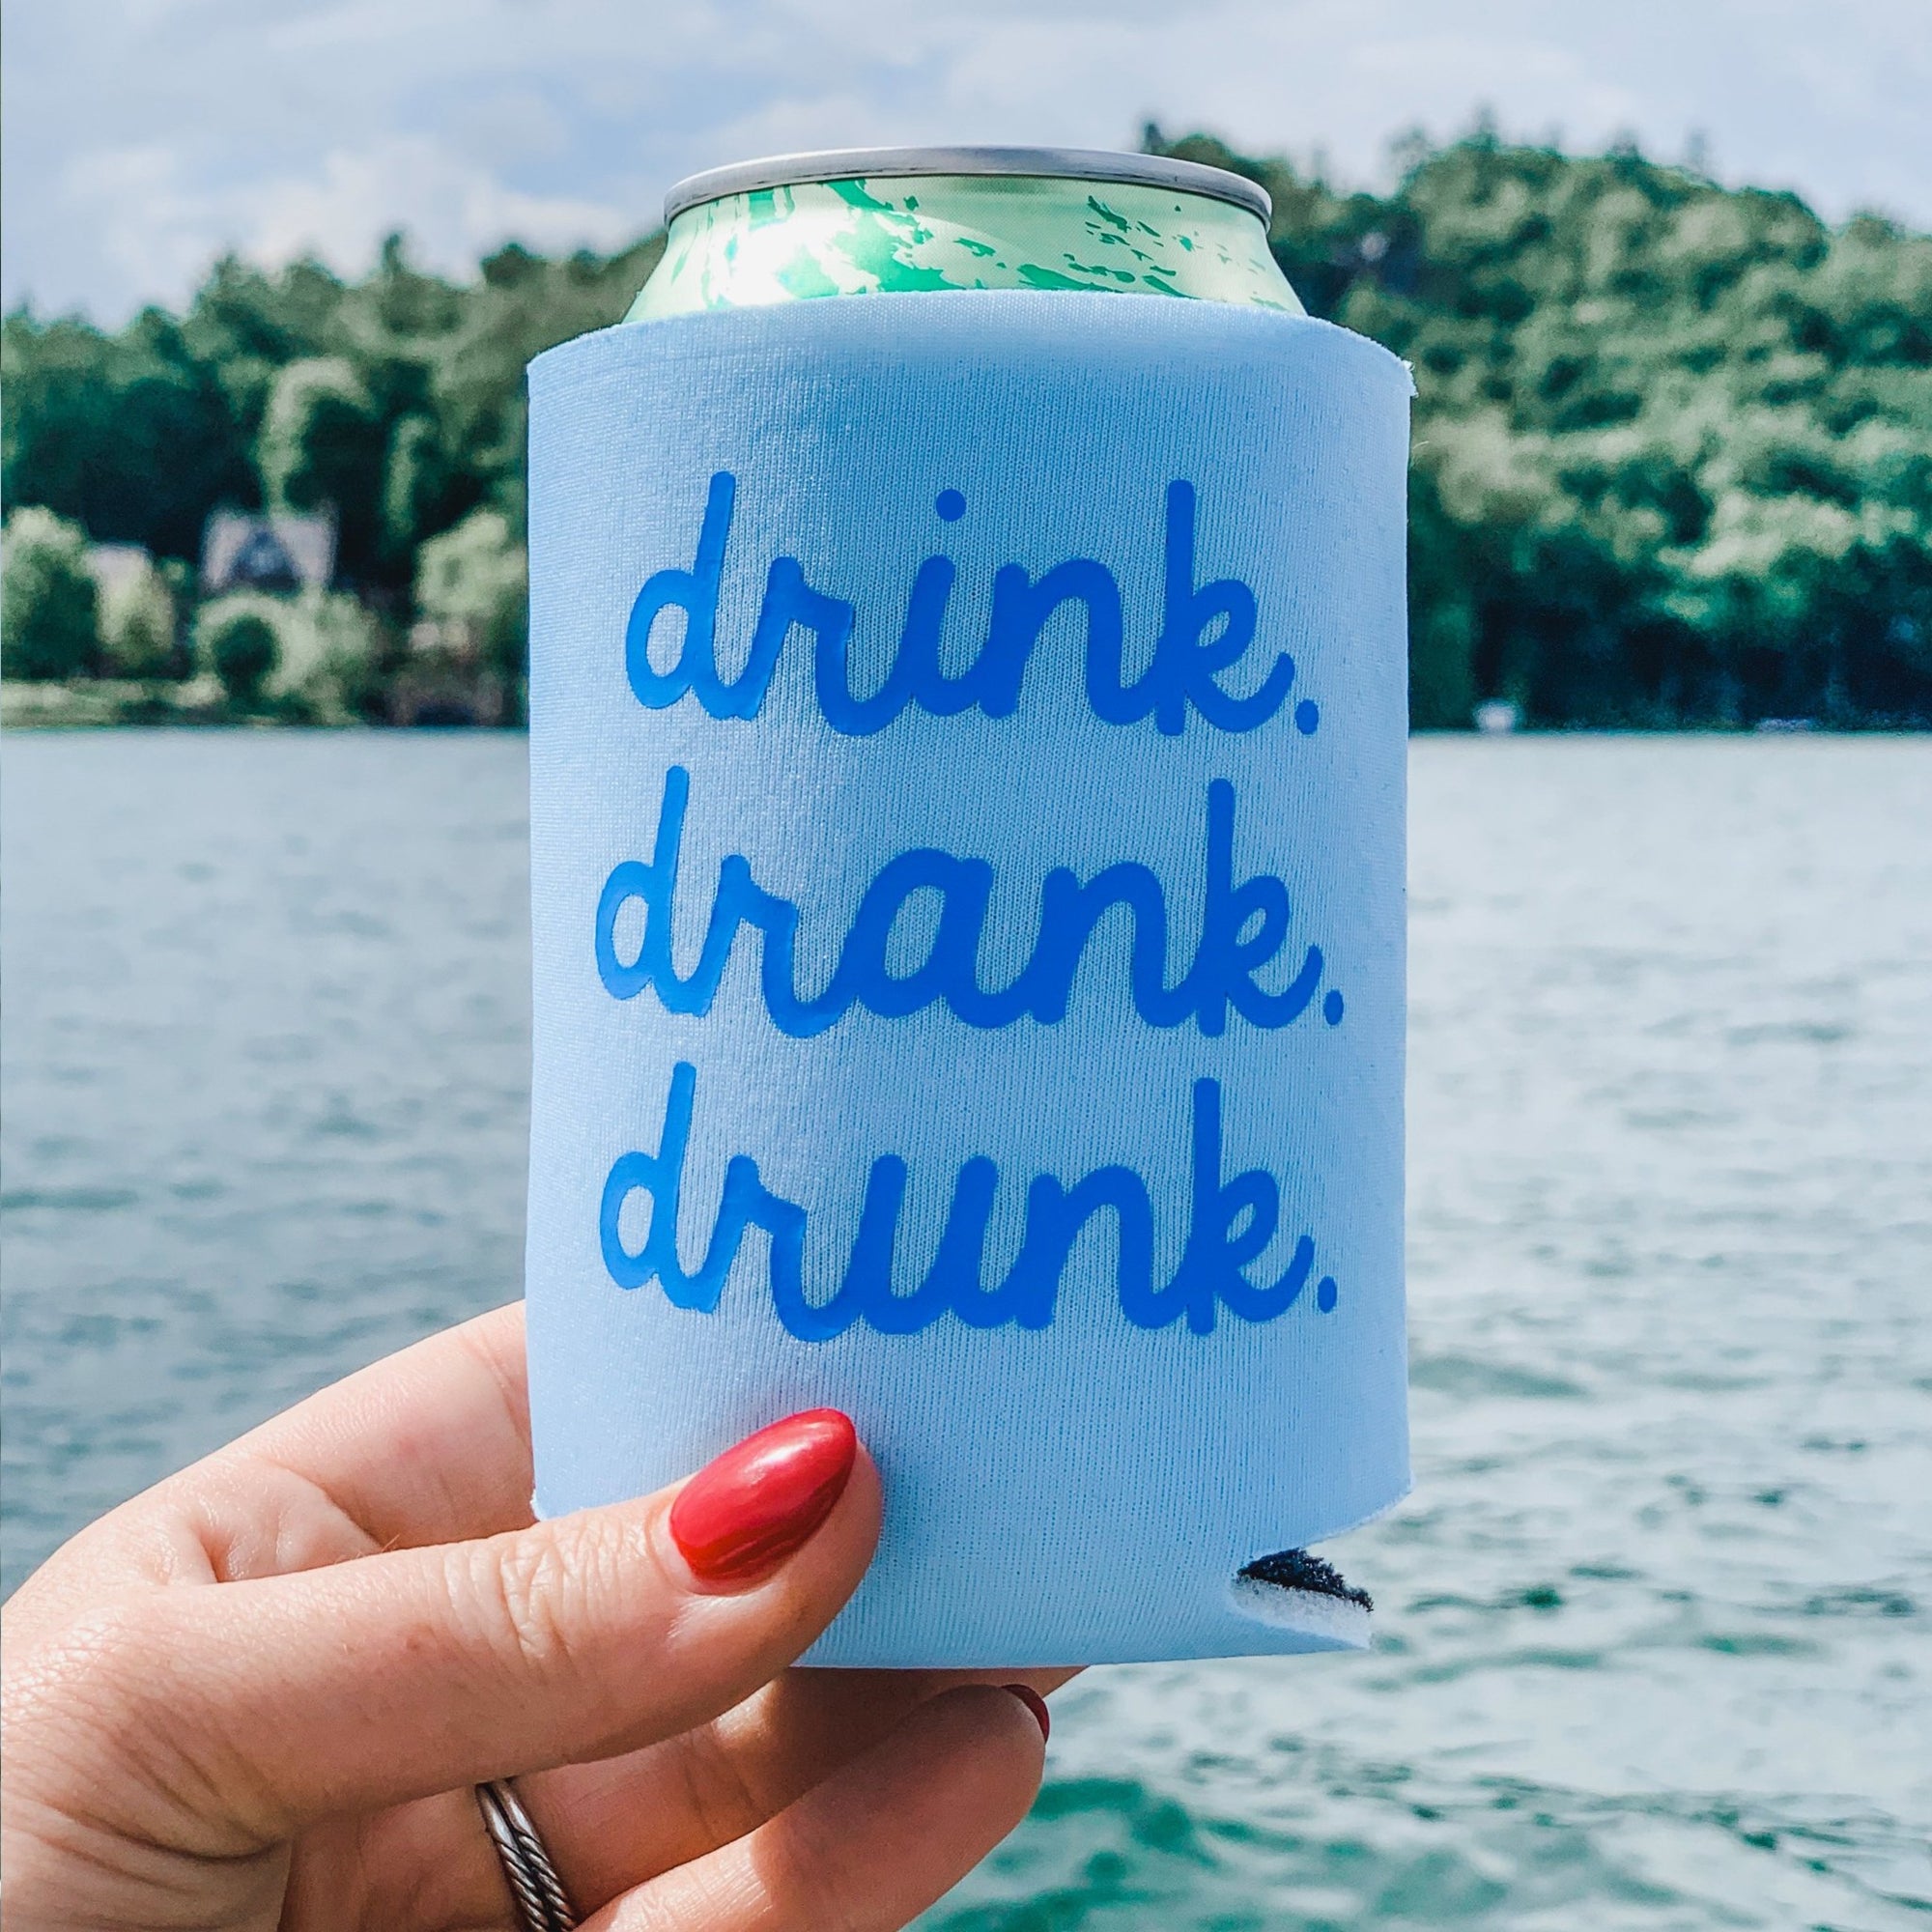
(907, 221)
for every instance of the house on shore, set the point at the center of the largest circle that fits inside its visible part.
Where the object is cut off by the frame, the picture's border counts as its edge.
(275, 550)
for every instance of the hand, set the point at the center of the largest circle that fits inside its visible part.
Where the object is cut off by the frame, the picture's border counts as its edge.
(259, 1694)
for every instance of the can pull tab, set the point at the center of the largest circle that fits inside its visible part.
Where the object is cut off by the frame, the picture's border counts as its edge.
(1291, 1589)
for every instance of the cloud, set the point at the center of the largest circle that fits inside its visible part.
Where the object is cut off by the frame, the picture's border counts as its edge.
(154, 229)
(457, 206)
(142, 138)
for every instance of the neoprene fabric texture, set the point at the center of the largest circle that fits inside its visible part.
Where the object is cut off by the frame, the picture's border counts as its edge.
(967, 802)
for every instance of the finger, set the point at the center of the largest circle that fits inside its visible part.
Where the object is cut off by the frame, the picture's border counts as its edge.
(428, 1445)
(873, 1845)
(398, 1675)
(616, 1822)
(613, 1824)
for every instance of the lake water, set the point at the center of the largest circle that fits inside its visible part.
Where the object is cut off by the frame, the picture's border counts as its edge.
(1654, 1627)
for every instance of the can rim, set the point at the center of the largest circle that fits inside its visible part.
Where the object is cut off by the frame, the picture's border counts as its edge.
(1096, 165)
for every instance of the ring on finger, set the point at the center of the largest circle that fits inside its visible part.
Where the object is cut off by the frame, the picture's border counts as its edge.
(542, 1903)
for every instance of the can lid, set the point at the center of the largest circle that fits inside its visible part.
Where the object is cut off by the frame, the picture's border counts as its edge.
(1051, 163)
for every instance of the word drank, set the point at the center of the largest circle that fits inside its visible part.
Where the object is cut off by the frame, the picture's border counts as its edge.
(1245, 927)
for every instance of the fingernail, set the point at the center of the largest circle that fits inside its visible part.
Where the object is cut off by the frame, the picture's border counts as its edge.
(1034, 1703)
(744, 1514)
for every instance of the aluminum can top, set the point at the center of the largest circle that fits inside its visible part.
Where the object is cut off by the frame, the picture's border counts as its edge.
(905, 221)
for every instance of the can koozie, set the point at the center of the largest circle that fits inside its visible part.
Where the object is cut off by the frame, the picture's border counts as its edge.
(966, 762)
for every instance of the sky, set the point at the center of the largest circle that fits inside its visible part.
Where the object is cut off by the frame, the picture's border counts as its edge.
(141, 138)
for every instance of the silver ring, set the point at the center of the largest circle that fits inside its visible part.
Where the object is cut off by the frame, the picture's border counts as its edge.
(542, 1903)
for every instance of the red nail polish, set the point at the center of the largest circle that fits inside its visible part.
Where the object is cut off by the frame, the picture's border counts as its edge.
(1034, 1703)
(743, 1514)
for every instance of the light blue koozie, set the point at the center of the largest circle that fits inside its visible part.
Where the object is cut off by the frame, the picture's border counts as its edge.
(967, 789)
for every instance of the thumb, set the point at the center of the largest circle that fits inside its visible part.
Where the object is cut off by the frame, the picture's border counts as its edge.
(394, 1676)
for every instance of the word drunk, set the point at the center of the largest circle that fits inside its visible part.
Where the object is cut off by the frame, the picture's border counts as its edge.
(1231, 1222)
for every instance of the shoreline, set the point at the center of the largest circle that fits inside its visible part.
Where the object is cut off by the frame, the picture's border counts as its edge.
(101, 705)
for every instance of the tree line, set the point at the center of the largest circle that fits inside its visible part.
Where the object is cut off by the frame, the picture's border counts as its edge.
(1673, 442)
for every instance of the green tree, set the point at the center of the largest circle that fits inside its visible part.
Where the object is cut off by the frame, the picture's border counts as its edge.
(242, 650)
(48, 603)
(322, 448)
(331, 653)
(1443, 617)
(473, 581)
(417, 482)
(130, 435)
(137, 626)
